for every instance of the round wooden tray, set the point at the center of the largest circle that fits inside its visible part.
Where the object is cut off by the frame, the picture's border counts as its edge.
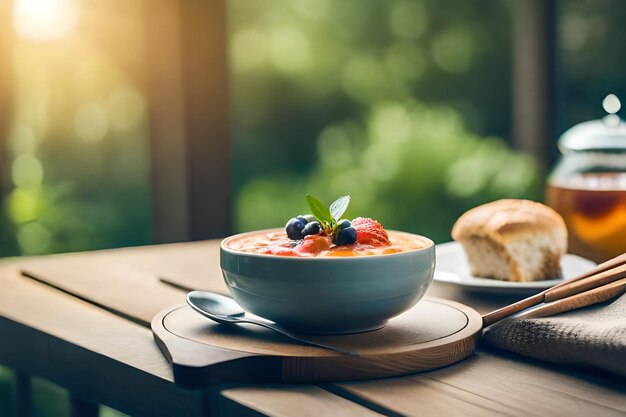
(432, 334)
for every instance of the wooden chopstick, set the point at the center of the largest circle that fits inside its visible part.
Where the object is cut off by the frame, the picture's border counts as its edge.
(605, 273)
(583, 299)
(605, 266)
(581, 285)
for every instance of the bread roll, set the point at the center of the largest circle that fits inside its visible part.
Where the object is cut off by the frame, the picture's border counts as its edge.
(513, 240)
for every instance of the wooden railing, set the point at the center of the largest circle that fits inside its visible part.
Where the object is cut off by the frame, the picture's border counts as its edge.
(534, 87)
(189, 119)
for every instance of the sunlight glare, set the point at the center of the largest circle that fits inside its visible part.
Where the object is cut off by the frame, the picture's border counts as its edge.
(44, 20)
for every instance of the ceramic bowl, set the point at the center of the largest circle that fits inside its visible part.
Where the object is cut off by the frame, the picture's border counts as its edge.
(328, 295)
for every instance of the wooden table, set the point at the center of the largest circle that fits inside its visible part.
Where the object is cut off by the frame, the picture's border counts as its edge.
(100, 347)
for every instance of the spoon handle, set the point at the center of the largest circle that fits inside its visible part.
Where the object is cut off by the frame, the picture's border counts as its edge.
(287, 333)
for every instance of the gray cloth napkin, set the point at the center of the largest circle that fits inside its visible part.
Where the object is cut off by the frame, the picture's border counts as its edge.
(594, 336)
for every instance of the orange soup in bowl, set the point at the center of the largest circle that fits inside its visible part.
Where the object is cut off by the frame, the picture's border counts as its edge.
(277, 243)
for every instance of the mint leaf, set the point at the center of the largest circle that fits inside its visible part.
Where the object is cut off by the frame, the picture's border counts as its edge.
(319, 210)
(339, 207)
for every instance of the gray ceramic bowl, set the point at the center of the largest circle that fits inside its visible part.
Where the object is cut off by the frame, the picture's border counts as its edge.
(328, 294)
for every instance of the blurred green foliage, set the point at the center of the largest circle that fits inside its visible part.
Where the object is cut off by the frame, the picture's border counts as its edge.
(327, 91)
(404, 104)
(301, 66)
(78, 144)
(411, 166)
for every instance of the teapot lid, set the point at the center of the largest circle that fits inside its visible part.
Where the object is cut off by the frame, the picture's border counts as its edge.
(604, 135)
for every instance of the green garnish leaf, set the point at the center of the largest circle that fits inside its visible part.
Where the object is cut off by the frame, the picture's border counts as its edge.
(339, 207)
(319, 210)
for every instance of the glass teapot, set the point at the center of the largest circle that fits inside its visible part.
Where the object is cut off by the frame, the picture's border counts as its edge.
(588, 185)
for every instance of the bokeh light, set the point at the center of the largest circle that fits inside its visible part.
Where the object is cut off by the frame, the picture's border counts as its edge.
(249, 49)
(408, 19)
(454, 50)
(27, 172)
(406, 60)
(25, 205)
(574, 32)
(391, 124)
(364, 79)
(34, 238)
(22, 139)
(91, 122)
(334, 147)
(314, 9)
(289, 49)
(125, 108)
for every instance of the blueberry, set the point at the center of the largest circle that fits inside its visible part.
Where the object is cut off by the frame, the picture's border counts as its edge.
(309, 218)
(345, 236)
(294, 229)
(312, 228)
(303, 219)
(343, 223)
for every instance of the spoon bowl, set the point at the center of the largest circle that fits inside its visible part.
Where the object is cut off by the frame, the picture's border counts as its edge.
(217, 307)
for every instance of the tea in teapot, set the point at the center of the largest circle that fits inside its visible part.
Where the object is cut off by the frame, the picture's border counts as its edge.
(588, 185)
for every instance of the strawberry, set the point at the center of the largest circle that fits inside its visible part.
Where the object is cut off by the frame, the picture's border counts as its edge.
(370, 232)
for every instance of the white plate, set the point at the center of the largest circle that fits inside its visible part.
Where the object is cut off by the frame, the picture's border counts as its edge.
(452, 268)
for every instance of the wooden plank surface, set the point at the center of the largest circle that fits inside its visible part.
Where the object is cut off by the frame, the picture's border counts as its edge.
(103, 357)
(126, 291)
(127, 282)
(100, 356)
(197, 267)
(193, 264)
(420, 396)
(486, 384)
(530, 383)
(490, 382)
(52, 312)
(290, 400)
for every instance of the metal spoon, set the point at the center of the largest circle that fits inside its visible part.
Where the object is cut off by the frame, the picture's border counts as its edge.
(225, 310)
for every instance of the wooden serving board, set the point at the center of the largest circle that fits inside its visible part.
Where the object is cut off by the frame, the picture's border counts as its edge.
(432, 334)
